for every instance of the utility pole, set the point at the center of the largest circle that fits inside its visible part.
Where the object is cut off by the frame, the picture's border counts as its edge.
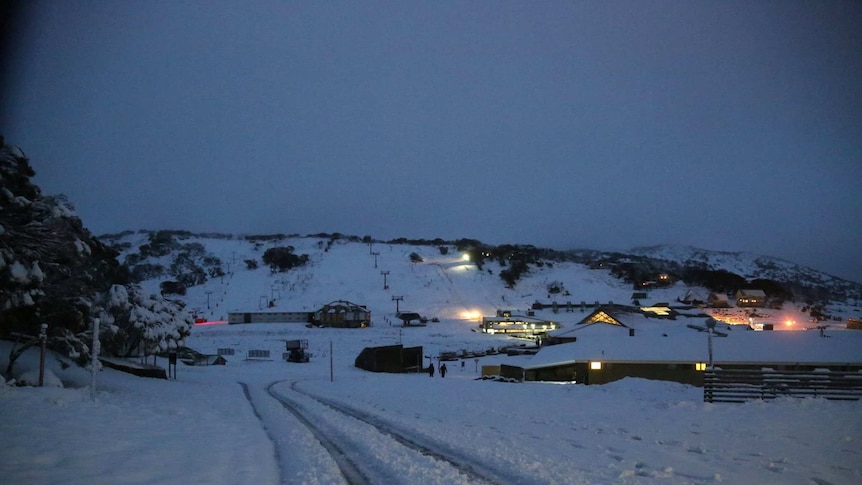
(375, 254)
(397, 299)
(385, 273)
(208, 292)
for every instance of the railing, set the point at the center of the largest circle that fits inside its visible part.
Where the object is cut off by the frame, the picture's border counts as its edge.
(726, 385)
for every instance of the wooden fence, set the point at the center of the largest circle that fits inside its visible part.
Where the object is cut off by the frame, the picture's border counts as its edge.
(725, 385)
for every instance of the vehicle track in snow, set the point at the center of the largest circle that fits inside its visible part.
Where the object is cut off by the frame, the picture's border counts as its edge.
(349, 436)
(247, 394)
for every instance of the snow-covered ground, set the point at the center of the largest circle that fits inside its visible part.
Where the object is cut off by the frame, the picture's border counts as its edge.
(201, 428)
(238, 423)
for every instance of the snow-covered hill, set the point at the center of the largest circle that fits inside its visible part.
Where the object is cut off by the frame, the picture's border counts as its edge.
(439, 283)
(754, 266)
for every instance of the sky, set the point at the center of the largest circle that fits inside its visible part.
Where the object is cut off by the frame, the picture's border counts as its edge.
(606, 125)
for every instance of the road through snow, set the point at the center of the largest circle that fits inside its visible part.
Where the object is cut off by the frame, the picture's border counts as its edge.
(361, 448)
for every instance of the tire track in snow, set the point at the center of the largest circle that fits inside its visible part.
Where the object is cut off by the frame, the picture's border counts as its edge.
(350, 470)
(247, 394)
(474, 471)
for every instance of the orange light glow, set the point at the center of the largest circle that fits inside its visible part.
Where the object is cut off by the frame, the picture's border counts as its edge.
(789, 323)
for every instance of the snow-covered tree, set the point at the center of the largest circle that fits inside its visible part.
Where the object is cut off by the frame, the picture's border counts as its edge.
(135, 324)
(54, 271)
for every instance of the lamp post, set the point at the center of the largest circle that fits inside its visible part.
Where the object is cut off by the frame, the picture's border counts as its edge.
(43, 338)
(208, 292)
(710, 326)
(94, 358)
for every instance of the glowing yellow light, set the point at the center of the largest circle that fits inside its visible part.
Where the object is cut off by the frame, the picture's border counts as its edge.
(594, 365)
(471, 315)
(700, 366)
(466, 257)
(789, 323)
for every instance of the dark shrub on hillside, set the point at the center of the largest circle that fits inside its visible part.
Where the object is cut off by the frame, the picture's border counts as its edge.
(415, 258)
(251, 263)
(282, 259)
(146, 271)
(715, 280)
(513, 273)
(775, 291)
(172, 288)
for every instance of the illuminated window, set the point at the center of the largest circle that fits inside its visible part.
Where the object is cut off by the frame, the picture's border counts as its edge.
(596, 365)
(700, 366)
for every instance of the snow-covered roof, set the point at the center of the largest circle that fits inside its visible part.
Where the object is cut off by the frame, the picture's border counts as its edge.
(679, 343)
(630, 319)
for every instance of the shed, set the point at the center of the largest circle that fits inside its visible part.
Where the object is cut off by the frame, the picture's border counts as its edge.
(407, 319)
(390, 358)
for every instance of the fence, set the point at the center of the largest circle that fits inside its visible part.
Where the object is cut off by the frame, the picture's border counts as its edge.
(258, 354)
(726, 385)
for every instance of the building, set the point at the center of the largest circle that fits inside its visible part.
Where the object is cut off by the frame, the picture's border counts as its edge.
(268, 317)
(679, 351)
(391, 358)
(618, 316)
(342, 314)
(693, 297)
(717, 300)
(751, 298)
(517, 325)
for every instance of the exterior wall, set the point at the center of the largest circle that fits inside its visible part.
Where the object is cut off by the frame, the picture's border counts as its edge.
(268, 317)
(492, 370)
(684, 373)
(565, 373)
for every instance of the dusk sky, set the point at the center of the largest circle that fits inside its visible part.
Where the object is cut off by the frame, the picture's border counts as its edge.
(606, 125)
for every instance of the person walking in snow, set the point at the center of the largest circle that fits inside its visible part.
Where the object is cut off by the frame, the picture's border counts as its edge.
(431, 370)
(443, 370)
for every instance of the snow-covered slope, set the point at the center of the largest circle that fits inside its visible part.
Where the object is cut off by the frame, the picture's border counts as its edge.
(445, 286)
(752, 266)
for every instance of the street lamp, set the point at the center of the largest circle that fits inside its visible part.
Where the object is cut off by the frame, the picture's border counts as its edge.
(710, 326)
